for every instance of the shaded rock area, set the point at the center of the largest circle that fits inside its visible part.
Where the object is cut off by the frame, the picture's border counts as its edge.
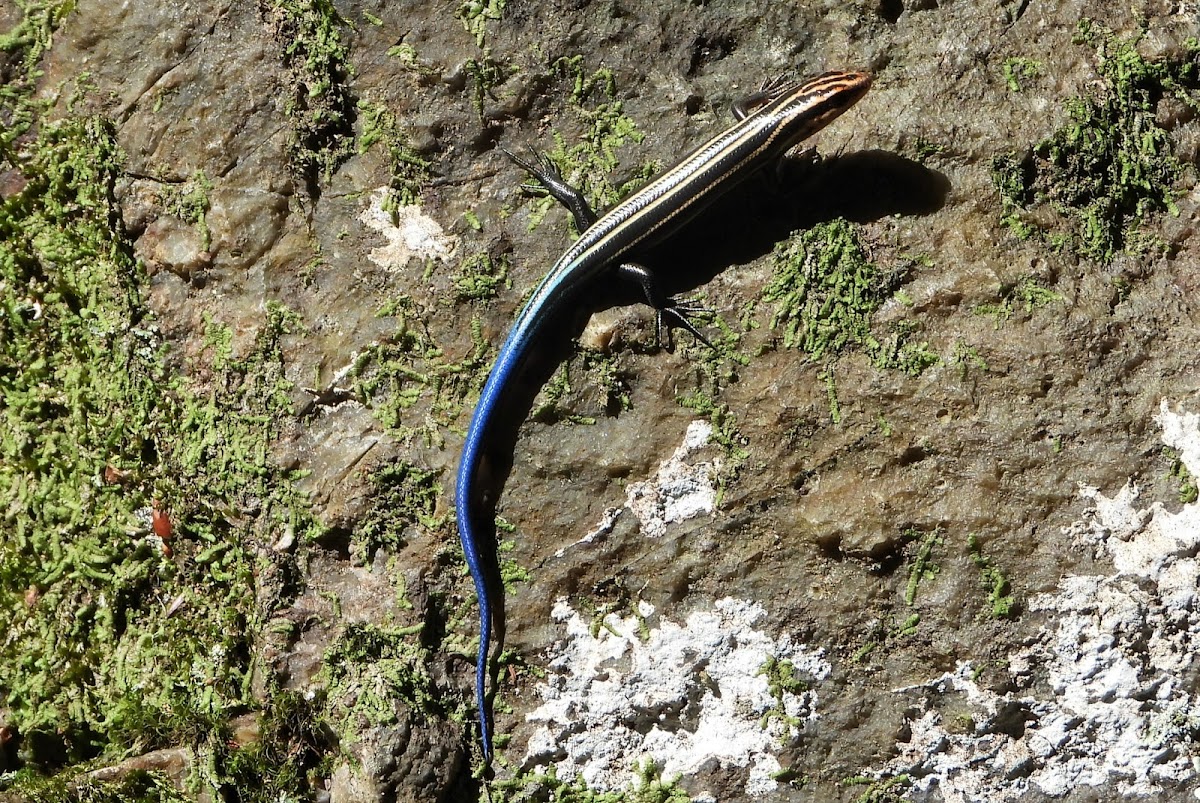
(879, 516)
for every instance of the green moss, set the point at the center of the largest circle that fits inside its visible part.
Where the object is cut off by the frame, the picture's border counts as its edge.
(143, 787)
(409, 172)
(480, 277)
(485, 74)
(1111, 166)
(287, 754)
(475, 15)
(382, 676)
(190, 202)
(909, 626)
(379, 675)
(1017, 70)
(1014, 177)
(584, 85)
(782, 678)
(863, 652)
(717, 365)
(123, 633)
(825, 290)
(896, 352)
(924, 149)
(320, 106)
(1027, 293)
(967, 357)
(592, 159)
(607, 377)
(511, 572)
(725, 433)
(835, 409)
(625, 604)
(1000, 602)
(1030, 294)
(402, 496)
(406, 55)
(526, 785)
(923, 566)
(78, 385)
(602, 373)
(551, 396)
(1179, 472)
(408, 368)
(23, 46)
(223, 434)
(880, 790)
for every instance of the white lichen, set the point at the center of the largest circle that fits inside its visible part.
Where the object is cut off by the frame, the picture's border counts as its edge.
(682, 696)
(1116, 657)
(680, 489)
(411, 234)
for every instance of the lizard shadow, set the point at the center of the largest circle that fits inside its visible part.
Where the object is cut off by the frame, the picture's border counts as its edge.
(749, 221)
(741, 226)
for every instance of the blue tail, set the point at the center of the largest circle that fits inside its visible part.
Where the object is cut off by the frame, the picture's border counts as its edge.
(508, 362)
(470, 546)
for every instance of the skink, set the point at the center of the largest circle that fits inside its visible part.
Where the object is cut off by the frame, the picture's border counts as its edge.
(769, 124)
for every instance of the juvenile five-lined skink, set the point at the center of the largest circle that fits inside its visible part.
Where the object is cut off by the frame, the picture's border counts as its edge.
(769, 123)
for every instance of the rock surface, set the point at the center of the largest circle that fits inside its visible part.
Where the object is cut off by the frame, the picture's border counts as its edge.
(824, 522)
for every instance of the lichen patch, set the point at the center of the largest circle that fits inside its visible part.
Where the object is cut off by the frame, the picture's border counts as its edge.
(410, 234)
(1103, 697)
(681, 489)
(680, 695)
